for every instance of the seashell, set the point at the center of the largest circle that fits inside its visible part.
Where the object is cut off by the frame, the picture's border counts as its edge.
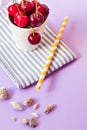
(28, 101)
(35, 114)
(48, 108)
(35, 106)
(16, 106)
(14, 118)
(32, 122)
(3, 93)
(26, 121)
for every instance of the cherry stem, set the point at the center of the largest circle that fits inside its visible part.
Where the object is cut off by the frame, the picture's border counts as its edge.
(17, 7)
(32, 30)
(23, 2)
(36, 8)
(27, 1)
(14, 1)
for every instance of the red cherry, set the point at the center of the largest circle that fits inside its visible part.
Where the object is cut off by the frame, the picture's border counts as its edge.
(34, 38)
(11, 18)
(36, 21)
(12, 9)
(20, 19)
(27, 7)
(43, 9)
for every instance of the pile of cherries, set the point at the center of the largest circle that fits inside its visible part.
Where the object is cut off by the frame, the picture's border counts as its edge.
(29, 14)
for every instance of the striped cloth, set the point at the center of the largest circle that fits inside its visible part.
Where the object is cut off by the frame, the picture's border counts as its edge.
(24, 68)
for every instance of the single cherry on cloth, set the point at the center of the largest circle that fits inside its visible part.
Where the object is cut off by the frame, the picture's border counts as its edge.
(34, 38)
(27, 7)
(36, 20)
(21, 19)
(13, 8)
(43, 9)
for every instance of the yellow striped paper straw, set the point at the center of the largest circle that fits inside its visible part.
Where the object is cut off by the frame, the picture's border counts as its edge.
(51, 55)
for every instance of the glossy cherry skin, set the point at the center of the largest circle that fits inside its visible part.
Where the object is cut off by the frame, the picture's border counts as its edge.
(36, 20)
(12, 9)
(43, 9)
(34, 38)
(27, 7)
(20, 19)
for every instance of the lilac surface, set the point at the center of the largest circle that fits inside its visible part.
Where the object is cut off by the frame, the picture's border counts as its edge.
(67, 87)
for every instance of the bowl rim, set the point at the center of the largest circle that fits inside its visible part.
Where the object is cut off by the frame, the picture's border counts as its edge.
(26, 28)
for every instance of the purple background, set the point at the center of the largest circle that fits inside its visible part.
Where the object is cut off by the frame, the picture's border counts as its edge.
(67, 87)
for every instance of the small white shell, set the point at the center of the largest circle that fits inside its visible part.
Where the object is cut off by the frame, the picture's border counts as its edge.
(35, 106)
(16, 106)
(35, 114)
(14, 118)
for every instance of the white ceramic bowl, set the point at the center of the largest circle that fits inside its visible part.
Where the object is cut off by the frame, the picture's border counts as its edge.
(21, 36)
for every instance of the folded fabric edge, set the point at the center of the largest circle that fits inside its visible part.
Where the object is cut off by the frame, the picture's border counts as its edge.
(9, 75)
(22, 87)
(75, 56)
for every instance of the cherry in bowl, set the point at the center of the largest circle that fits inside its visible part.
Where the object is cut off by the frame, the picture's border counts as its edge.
(36, 20)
